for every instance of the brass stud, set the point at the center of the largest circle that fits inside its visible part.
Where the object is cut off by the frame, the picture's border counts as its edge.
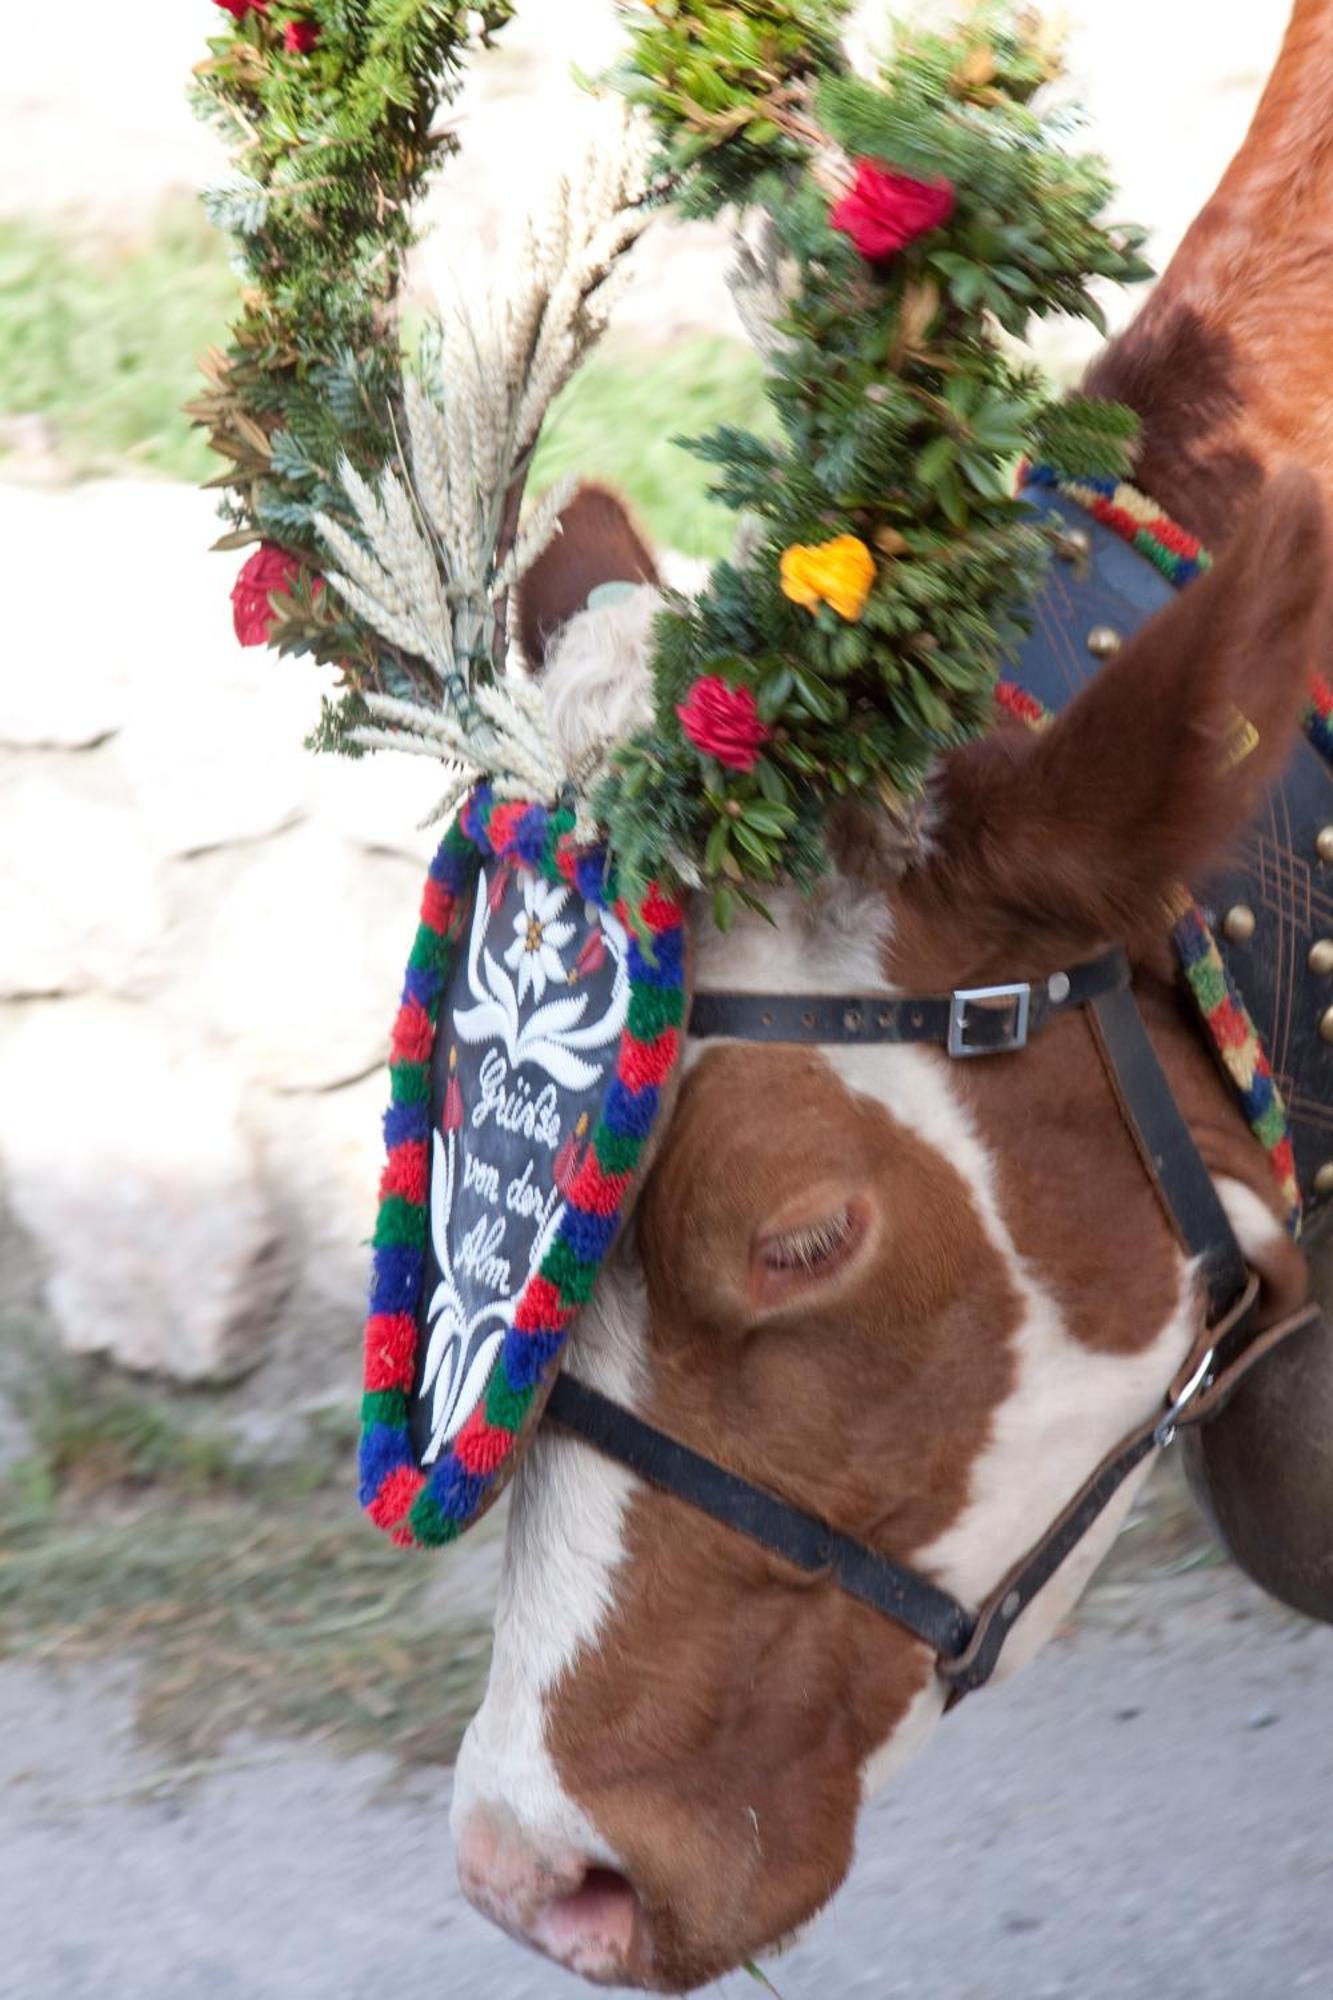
(1104, 642)
(1326, 1025)
(1324, 844)
(1323, 1180)
(1073, 545)
(1320, 960)
(1238, 924)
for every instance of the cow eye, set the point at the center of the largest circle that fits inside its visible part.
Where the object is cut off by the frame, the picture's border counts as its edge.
(810, 1247)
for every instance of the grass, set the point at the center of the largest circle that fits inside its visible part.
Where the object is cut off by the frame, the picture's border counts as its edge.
(99, 342)
(253, 1595)
(616, 422)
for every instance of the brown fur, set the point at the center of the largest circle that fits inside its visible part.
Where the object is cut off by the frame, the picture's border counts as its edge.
(1230, 361)
(598, 543)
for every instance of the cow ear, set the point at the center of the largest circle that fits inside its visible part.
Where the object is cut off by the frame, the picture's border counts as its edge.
(1051, 843)
(597, 544)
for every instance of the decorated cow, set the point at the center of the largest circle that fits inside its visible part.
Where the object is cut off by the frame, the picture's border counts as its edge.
(864, 1066)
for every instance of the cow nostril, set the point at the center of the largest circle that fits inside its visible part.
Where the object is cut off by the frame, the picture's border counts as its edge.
(595, 1928)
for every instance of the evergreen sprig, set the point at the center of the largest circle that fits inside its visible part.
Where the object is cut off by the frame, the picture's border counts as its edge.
(332, 143)
(902, 417)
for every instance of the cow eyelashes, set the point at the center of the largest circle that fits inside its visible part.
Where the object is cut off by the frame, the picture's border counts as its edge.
(808, 1248)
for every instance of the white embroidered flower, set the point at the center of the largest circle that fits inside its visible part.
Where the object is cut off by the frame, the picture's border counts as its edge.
(535, 953)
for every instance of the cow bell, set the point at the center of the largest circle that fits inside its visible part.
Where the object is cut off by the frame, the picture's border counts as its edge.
(1262, 1469)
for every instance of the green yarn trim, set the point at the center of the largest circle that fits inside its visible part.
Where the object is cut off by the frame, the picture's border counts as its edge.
(409, 1082)
(384, 1406)
(653, 1009)
(506, 1407)
(573, 1277)
(430, 1525)
(616, 1152)
(400, 1221)
(430, 950)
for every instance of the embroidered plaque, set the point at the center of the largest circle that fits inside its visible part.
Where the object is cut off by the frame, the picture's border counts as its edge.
(537, 1033)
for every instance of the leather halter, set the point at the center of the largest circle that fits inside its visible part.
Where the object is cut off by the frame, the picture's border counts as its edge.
(982, 1022)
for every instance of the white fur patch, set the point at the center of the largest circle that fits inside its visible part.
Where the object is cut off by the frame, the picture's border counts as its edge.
(596, 682)
(564, 1546)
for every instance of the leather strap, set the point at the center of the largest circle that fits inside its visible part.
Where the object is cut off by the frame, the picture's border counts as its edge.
(1183, 1183)
(975, 1021)
(1215, 1369)
(967, 1645)
(899, 1593)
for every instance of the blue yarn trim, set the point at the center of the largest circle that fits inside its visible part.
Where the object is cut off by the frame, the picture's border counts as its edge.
(630, 1113)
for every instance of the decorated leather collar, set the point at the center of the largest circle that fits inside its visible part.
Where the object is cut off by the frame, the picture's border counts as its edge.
(1256, 943)
(537, 1038)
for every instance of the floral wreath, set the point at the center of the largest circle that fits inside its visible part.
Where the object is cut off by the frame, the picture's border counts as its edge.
(908, 221)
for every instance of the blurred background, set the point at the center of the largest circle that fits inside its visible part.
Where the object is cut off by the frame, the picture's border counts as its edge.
(224, 1704)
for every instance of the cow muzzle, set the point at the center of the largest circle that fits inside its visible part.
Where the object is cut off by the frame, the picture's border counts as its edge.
(574, 1909)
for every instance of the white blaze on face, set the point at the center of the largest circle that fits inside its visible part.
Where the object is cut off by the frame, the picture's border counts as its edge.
(563, 1549)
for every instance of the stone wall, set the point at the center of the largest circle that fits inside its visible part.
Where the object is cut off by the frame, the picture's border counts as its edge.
(202, 935)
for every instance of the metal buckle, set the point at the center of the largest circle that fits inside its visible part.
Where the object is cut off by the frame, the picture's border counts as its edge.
(1198, 1382)
(1013, 1018)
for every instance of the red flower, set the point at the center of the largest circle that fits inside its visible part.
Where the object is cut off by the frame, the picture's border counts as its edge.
(724, 722)
(452, 1116)
(300, 37)
(238, 9)
(268, 570)
(885, 211)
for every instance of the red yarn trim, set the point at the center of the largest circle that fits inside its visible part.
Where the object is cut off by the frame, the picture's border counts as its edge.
(595, 1192)
(437, 906)
(501, 823)
(391, 1351)
(480, 1447)
(395, 1497)
(1230, 1026)
(407, 1172)
(660, 913)
(413, 1034)
(645, 1063)
(567, 856)
(540, 1309)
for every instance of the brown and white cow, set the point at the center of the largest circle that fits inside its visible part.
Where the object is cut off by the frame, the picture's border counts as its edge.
(920, 1299)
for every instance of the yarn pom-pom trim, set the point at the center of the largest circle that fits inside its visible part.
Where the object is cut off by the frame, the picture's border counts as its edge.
(426, 1508)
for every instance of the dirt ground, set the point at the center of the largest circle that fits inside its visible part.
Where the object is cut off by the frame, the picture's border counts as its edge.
(1143, 1815)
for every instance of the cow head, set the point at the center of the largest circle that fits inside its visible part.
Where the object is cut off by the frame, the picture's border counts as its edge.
(920, 1299)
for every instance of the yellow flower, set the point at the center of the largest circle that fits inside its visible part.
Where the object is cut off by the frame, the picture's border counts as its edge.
(839, 573)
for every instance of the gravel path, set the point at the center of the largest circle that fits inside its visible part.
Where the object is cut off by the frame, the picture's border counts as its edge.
(1144, 1813)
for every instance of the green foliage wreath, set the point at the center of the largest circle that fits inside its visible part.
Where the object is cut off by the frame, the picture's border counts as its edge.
(904, 228)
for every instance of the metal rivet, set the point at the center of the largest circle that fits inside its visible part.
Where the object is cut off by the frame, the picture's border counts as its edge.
(885, 1018)
(767, 1020)
(1057, 986)
(1326, 1025)
(1239, 923)
(1324, 845)
(1320, 960)
(1323, 1180)
(851, 1020)
(1104, 642)
(1012, 1605)
(1074, 545)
